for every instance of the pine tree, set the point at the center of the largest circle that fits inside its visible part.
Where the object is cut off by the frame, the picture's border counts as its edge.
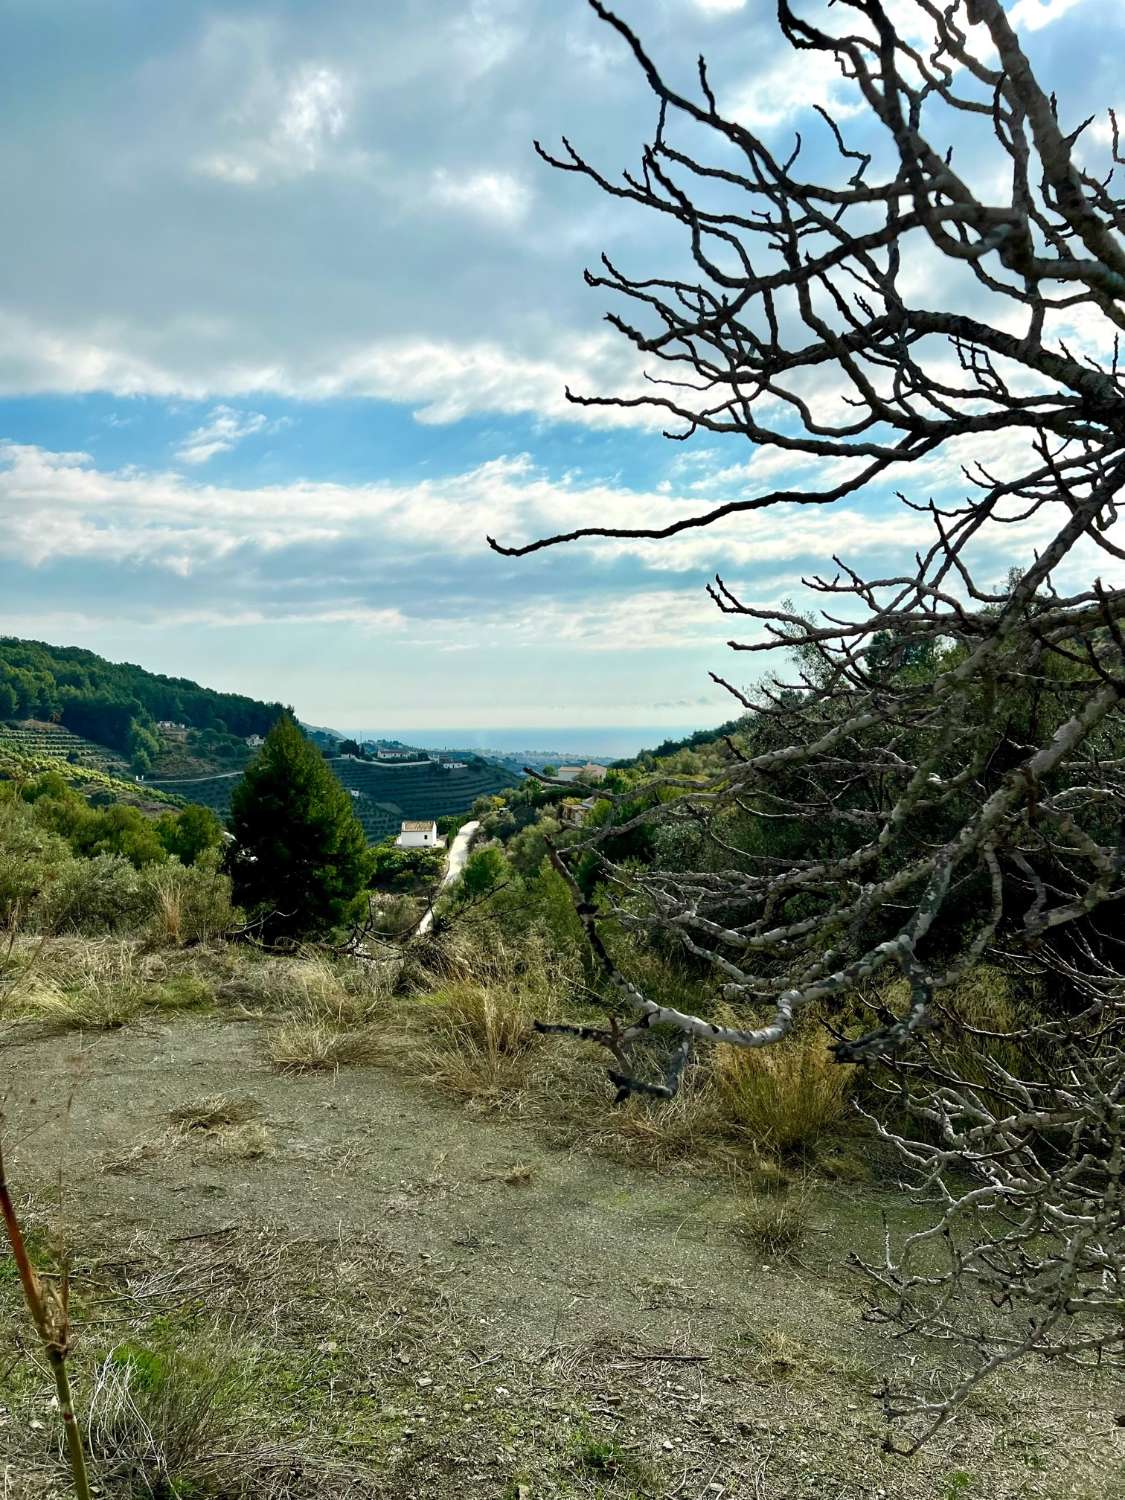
(300, 856)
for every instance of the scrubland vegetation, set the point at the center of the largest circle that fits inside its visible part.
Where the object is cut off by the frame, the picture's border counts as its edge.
(213, 1361)
(750, 1122)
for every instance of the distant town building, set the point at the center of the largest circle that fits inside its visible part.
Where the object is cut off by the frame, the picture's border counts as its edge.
(254, 741)
(588, 772)
(171, 730)
(382, 754)
(455, 765)
(417, 835)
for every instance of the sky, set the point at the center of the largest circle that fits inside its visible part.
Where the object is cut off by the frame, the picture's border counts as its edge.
(287, 310)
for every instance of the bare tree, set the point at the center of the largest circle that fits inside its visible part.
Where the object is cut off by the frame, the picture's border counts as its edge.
(972, 808)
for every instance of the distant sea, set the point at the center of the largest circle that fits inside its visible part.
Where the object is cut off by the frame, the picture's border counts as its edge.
(609, 742)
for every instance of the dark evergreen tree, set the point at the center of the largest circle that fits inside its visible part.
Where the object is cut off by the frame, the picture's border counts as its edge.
(300, 855)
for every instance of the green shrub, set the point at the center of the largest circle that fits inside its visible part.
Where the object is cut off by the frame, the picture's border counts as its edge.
(782, 1097)
(188, 903)
(32, 859)
(103, 894)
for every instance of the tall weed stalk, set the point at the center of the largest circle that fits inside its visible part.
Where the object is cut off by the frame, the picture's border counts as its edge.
(49, 1308)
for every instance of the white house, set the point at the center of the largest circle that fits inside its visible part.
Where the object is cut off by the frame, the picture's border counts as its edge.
(384, 754)
(254, 741)
(417, 835)
(588, 772)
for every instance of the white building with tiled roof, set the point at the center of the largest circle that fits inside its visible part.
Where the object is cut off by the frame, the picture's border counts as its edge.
(588, 772)
(421, 834)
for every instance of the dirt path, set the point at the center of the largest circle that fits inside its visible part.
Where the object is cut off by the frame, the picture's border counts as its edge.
(458, 854)
(547, 1257)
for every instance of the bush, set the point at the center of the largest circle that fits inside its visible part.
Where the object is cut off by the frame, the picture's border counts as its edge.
(31, 860)
(103, 894)
(783, 1097)
(189, 904)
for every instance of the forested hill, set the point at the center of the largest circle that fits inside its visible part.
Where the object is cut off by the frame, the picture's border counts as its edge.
(117, 704)
(701, 739)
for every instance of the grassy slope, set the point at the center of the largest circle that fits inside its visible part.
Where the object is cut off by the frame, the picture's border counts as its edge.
(414, 1298)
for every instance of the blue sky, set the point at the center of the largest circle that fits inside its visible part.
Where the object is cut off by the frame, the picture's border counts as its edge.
(287, 308)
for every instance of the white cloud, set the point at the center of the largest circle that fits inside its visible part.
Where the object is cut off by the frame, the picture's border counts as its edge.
(441, 379)
(1033, 15)
(719, 7)
(793, 82)
(313, 113)
(223, 430)
(55, 505)
(305, 116)
(496, 196)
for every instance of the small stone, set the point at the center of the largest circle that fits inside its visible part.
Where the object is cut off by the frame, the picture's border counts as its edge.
(424, 1380)
(667, 1445)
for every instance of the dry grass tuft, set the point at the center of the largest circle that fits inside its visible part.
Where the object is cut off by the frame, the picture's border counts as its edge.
(482, 1039)
(345, 993)
(81, 983)
(225, 1125)
(248, 1142)
(162, 1425)
(784, 1097)
(305, 1045)
(214, 1112)
(777, 1224)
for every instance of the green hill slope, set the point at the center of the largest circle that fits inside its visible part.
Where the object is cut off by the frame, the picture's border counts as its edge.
(83, 769)
(119, 705)
(429, 790)
(383, 795)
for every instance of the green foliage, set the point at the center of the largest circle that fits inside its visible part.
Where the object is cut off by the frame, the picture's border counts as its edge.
(405, 870)
(484, 870)
(101, 894)
(117, 704)
(300, 854)
(189, 903)
(31, 859)
(190, 833)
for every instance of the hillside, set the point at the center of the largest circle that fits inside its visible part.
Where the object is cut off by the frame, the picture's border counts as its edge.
(28, 750)
(429, 790)
(383, 795)
(150, 720)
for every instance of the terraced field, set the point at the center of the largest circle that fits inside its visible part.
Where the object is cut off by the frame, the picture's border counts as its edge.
(16, 763)
(383, 795)
(34, 739)
(422, 791)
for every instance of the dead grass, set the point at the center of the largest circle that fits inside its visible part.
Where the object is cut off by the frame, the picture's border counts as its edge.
(81, 983)
(213, 1112)
(785, 1097)
(339, 992)
(309, 1045)
(481, 1039)
(777, 1224)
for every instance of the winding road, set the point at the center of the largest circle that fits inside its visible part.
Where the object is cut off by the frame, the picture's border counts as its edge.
(458, 854)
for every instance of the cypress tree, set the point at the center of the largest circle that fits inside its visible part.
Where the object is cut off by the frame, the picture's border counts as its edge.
(300, 856)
